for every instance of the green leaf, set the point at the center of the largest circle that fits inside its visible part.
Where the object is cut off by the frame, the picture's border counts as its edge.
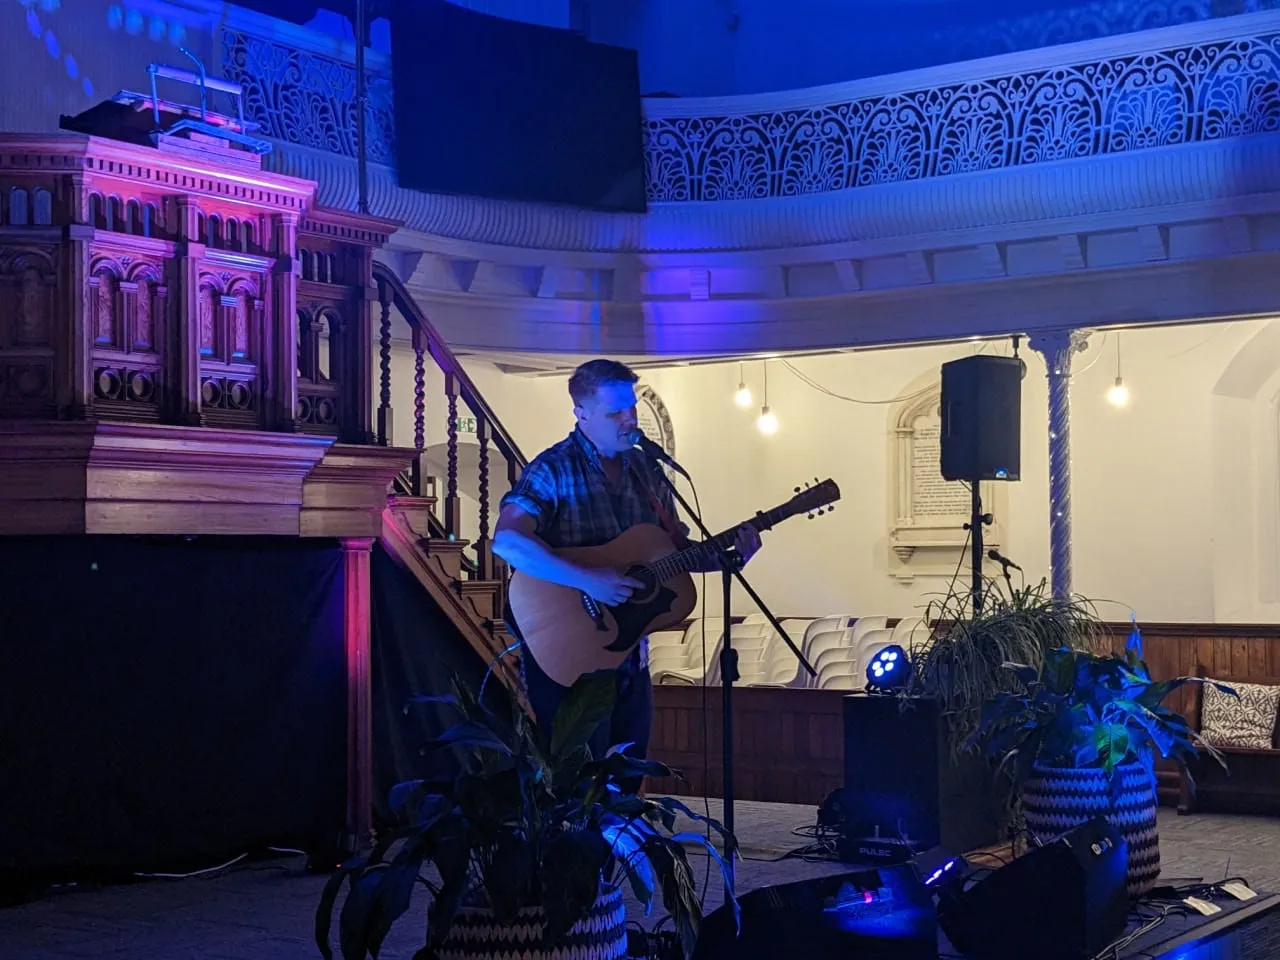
(328, 897)
(570, 877)
(355, 923)
(725, 872)
(673, 806)
(587, 704)
(451, 853)
(619, 766)
(391, 900)
(474, 735)
(406, 797)
(679, 893)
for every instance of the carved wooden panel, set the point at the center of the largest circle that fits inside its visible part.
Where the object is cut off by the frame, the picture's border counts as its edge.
(320, 359)
(231, 340)
(127, 314)
(28, 294)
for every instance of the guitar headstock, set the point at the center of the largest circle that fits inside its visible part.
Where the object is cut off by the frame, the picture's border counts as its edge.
(813, 498)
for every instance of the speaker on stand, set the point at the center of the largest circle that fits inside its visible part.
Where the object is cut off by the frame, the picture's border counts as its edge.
(981, 436)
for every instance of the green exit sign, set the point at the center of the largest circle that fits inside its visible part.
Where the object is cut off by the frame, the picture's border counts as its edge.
(465, 424)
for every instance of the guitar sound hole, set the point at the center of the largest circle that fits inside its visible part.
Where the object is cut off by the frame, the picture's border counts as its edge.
(648, 588)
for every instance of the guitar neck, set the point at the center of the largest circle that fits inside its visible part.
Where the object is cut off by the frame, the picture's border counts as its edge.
(699, 555)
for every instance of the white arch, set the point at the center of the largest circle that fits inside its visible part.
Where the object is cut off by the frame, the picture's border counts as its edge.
(1246, 482)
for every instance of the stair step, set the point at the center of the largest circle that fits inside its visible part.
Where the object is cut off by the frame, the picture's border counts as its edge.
(444, 556)
(482, 595)
(414, 512)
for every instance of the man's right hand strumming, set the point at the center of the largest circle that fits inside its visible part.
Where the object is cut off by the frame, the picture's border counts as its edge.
(608, 585)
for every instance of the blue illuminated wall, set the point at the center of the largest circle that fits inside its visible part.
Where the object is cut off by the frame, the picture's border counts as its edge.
(720, 47)
(63, 56)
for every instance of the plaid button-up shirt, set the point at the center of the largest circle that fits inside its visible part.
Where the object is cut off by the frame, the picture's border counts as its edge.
(574, 504)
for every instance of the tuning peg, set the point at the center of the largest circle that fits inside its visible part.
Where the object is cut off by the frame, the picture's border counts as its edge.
(797, 489)
(831, 509)
(809, 517)
(816, 480)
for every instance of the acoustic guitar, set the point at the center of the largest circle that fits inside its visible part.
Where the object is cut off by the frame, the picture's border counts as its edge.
(571, 634)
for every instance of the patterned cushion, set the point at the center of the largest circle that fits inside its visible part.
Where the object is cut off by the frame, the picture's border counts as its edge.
(1247, 722)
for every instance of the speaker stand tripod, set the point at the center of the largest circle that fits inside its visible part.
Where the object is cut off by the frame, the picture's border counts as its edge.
(977, 519)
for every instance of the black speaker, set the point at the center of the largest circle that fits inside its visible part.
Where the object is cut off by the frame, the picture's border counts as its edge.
(982, 418)
(1065, 900)
(881, 913)
(900, 781)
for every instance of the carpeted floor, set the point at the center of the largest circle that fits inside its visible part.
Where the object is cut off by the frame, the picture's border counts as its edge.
(266, 910)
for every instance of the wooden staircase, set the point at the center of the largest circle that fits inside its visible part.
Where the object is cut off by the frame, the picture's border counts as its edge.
(421, 530)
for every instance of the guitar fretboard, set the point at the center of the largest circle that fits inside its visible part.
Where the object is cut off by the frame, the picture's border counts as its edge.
(698, 556)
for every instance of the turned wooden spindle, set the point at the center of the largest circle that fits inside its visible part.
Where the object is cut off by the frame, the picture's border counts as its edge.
(419, 406)
(484, 547)
(452, 505)
(384, 363)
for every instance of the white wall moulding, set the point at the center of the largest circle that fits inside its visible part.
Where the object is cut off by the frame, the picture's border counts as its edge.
(927, 514)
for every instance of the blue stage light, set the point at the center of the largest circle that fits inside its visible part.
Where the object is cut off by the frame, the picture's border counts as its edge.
(889, 669)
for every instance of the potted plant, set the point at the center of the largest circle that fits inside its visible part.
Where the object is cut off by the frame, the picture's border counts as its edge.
(961, 662)
(1081, 741)
(527, 844)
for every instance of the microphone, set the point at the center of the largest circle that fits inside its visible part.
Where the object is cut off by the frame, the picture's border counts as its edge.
(638, 439)
(1003, 561)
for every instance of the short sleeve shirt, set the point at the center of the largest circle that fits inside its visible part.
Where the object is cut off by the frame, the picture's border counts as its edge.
(575, 505)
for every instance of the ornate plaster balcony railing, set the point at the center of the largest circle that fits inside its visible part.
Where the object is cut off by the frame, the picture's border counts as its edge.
(1208, 81)
(793, 168)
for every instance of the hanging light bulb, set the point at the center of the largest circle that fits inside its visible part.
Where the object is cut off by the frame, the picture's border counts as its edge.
(743, 397)
(1118, 395)
(767, 423)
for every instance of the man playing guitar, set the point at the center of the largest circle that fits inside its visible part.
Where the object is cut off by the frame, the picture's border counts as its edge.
(585, 491)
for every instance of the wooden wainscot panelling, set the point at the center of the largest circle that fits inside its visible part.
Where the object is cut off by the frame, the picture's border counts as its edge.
(124, 478)
(789, 743)
(346, 493)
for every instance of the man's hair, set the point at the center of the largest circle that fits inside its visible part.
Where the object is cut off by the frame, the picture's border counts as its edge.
(594, 374)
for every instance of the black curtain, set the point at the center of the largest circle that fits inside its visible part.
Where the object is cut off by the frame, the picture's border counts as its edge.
(417, 651)
(167, 703)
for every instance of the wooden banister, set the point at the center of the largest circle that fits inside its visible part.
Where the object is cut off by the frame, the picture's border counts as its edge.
(391, 290)
(490, 433)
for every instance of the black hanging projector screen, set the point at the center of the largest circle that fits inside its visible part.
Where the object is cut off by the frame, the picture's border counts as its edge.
(490, 107)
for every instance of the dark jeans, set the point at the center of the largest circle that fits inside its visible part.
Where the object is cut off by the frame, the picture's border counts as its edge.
(632, 712)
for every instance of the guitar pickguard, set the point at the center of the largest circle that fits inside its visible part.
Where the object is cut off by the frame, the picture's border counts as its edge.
(634, 617)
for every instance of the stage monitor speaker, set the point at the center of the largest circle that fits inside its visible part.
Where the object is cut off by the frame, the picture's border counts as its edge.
(901, 782)
(982, 418)
(874, 914)
(1065, 900)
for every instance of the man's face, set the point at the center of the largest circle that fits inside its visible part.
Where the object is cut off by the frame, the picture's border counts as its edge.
(608, 418)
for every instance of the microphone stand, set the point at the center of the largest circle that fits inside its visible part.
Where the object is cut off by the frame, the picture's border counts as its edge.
(731, 566)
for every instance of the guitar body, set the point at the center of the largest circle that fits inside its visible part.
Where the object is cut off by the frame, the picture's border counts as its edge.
(569, 634)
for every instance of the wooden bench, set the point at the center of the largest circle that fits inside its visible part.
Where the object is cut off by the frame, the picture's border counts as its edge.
(1251, 782)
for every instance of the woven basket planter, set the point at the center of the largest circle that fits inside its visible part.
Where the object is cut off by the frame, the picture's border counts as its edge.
(600, 935)
(1057, 799)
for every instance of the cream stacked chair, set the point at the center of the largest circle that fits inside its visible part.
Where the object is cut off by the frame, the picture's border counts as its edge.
(844, 668)
(750, 638)
(826, 639)
(779, 667)
(667, 651)
(683, 663)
